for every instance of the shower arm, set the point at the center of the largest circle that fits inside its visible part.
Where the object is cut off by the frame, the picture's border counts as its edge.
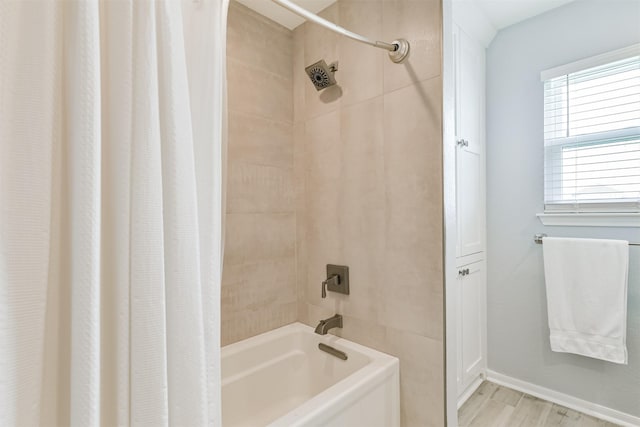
(398, 49)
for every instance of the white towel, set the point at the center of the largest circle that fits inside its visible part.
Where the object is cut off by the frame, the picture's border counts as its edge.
(587, 296)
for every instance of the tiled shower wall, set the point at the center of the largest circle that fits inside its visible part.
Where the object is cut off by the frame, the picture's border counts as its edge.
(258, 284)
(350, 175)
(368, 159)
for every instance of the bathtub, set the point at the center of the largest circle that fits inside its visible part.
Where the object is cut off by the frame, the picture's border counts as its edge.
(281, 378)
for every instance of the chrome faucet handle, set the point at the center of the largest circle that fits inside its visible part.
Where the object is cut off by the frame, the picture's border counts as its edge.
(333, 279)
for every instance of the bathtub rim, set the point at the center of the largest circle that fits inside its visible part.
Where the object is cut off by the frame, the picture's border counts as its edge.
(338, 396)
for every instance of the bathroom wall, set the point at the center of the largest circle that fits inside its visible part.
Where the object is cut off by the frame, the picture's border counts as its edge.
(518, 339)
(368, 175)
(258, 286)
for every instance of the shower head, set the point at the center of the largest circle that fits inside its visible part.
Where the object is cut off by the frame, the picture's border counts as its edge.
(321, 74)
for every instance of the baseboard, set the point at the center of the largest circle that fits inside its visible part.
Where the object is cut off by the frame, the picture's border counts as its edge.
(470, 390)
(571, 402)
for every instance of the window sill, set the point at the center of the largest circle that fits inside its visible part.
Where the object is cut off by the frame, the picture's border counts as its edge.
(591, 219)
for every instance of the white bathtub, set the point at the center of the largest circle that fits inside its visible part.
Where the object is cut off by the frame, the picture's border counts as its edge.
(281, 378)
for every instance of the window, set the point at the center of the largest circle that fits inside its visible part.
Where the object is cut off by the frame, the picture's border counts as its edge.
(592, 134)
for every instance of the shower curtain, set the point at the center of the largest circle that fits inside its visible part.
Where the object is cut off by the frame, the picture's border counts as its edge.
(111, 201)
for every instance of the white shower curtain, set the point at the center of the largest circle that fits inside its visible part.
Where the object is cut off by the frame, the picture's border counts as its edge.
(111, 166)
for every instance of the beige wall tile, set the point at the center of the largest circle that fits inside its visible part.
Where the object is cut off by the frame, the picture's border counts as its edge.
(259, 188)
(258, 41)
(362, 146)
(362, 206)
(323, 165)
(413, 135)
(322, 197)
(409, 307)
(300, 172)
(322, 147)
(324, 241)
(258, 237)
(414, 210)
(363, 66)
(300, 79)
(421, 377)
(259, 291)
(414, 235)
(232, 279)
(418, 21)
(301, 258)
(412, 226)
(299, 163)
(263, 320)
(362, 331)
(258, 140)
(254, 286)
(315, 313)
(260, 92)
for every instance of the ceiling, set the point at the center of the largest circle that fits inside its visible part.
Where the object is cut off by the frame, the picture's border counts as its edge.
(498, 13)
(281, 15)
(503, 13)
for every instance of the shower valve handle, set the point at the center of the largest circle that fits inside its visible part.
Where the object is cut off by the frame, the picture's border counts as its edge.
(334, 279)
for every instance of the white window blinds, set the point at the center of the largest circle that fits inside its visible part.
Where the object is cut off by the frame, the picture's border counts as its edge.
(592, 134)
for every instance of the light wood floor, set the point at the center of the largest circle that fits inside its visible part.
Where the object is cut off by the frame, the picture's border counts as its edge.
(497, 406)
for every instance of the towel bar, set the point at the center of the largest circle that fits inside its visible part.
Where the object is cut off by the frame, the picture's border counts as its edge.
(538, 239)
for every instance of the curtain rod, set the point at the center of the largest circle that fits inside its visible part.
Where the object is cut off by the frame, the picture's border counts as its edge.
(538, 239)
(398, 49)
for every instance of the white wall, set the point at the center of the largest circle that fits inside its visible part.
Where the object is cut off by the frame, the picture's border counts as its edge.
(517, 317)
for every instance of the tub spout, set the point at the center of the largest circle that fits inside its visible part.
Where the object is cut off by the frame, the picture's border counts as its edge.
(330, 323)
